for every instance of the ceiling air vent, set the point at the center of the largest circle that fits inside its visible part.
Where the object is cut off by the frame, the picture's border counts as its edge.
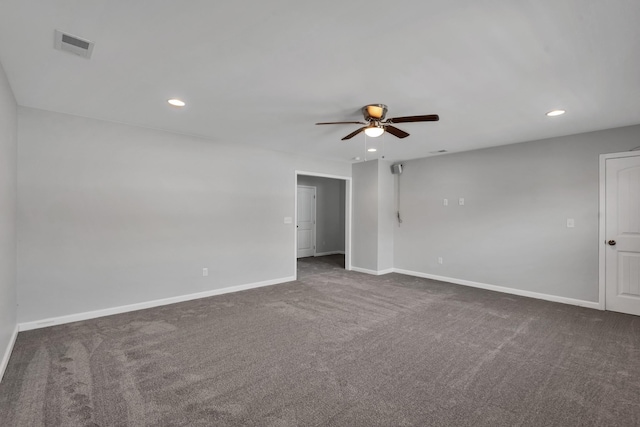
(73, 44)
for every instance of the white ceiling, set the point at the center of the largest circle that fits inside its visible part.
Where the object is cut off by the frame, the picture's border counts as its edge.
(263, 72)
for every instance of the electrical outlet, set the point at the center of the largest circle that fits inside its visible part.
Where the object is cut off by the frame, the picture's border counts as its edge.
(461, 201)
(445, 202)
(440, 261)
(205, 272)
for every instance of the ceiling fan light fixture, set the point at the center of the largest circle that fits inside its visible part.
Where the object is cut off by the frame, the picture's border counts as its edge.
(374, 131)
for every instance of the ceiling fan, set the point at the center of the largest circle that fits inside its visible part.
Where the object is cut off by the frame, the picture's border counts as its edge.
(376, 125)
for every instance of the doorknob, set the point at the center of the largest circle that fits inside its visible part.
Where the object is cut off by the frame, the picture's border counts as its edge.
(611, 242)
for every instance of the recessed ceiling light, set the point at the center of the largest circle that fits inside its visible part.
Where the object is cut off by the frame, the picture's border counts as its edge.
(554, 113)
(372, 150)
(176, 102)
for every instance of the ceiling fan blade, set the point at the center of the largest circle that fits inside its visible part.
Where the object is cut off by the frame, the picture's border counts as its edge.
(409, 119)
(396, 132)
(354, 133)
(342, 123)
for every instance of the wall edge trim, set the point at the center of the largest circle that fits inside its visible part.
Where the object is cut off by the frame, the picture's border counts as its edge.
(503, 289)
(372, 272)
(329, 253)
(7, 352)
(60, 320)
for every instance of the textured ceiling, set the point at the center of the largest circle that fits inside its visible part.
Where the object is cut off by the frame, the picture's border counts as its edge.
(262, 73)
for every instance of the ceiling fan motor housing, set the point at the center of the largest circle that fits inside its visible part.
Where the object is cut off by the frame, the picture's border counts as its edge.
(375, 112)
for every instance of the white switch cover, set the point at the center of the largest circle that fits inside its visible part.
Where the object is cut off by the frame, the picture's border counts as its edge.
(570, 223)
(461, 201)
(205, 272)
(445, 202)
(440, 260)
(288, 220)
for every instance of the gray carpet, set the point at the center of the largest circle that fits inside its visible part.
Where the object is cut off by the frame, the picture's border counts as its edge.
(335, 348)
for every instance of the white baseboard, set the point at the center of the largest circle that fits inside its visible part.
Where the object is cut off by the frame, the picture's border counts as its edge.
(373, 272)
(537, 295)
(27, 326)
(43, 323)
(364, 270)
(7, 352)
(329, 253)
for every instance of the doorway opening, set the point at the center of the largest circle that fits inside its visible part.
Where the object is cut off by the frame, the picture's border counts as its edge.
(322, 217)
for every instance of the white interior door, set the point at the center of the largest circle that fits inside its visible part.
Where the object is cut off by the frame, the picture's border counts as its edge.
(306, 226)
(622, 231)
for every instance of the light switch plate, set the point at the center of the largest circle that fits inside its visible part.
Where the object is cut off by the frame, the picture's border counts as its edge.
(288, 220)
(571, 223)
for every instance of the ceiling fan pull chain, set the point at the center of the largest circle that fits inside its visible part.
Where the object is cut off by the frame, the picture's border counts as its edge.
(384, 139)
(365, 147)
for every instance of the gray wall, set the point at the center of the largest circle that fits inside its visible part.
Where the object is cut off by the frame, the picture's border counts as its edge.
(342, 207)
(330, 213)
(110, 215)
(8, 147)
(386, 215)
(364, 234)
(373, 215)
(512, 230)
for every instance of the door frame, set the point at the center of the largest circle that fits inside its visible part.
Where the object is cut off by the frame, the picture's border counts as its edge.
(315, 213)
(602, 277)
(347, 213)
